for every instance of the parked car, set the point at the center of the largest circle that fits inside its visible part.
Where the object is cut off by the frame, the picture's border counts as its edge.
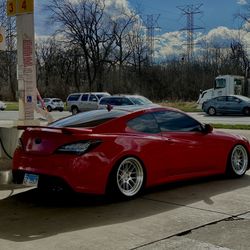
(232, 104)
(123, 100)
(3, 106)
(52, 104)
(124, 151)
(78, 102)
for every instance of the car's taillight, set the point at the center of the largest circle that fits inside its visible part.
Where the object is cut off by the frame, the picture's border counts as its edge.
(79, 147)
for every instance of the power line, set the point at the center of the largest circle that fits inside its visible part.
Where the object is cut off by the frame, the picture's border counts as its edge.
(189, 11)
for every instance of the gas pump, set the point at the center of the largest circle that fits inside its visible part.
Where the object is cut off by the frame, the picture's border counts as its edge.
(23, 10)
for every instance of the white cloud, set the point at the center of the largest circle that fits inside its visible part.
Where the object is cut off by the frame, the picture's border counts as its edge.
(170, 44)
(242, 2)
(173, 44)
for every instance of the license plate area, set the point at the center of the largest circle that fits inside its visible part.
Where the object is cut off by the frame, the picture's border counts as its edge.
(30, 179)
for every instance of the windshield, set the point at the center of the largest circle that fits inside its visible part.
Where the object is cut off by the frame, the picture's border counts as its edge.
(220, 83)
(140, 100)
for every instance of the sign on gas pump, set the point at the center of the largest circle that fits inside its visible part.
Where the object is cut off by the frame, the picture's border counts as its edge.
(25, 6)
(19, 7)
(11, 7)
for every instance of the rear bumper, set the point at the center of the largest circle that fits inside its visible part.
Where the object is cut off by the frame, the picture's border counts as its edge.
(86, 174)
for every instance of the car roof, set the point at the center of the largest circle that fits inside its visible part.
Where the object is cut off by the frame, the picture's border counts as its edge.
(238, 96)
(105, 114)
(52, 98)
(123, 95)
(95, 93)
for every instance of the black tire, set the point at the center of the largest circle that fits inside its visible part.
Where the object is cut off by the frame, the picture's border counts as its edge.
(211, 111)
(237, 161)
(74, 110)
(246, 111)
(49, 109)
(61, 110)
(127, 179)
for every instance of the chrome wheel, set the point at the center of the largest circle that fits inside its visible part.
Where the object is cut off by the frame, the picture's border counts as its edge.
(239, 160)
(130, 177)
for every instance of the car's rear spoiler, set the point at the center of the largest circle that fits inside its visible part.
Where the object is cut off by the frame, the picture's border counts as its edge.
(62, 130)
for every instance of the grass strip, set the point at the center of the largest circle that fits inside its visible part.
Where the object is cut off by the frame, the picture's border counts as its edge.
(231, 126)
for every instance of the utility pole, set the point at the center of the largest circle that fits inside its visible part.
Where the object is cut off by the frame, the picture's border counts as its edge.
(189, 11)
(151, 26)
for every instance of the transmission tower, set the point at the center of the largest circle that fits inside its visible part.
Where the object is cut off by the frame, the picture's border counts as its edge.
(189, 11)
(151, 26)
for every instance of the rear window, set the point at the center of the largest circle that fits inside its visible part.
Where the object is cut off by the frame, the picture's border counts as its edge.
(104, 101)
(57, 100)
(116, 101)
(88, 119)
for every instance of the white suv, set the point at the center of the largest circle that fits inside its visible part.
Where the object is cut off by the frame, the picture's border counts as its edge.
(78, 102)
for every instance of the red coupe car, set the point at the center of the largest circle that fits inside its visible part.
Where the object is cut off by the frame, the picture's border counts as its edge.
(124, 151)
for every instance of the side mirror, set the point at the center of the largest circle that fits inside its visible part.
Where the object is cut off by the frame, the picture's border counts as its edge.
(208, 128)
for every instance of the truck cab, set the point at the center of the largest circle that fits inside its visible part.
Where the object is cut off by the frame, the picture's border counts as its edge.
(223, 85)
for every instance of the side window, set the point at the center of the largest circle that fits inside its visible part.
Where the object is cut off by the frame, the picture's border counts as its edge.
(221, 99)
(233, 99)
(93, 98)
(145, 123)
(84, 98)
(176, 121)
(115, 101)
(73, 97)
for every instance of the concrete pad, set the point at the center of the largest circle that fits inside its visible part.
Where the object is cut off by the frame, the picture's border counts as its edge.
(180, 243)
(233, 234)
(33, 222)
(226, 196)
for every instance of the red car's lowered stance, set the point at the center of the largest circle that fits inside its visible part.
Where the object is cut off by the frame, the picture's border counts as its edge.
(125, 151)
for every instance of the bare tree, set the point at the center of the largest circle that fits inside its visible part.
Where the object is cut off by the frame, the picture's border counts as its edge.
(138, 47)
(8, 57)
(85, 24)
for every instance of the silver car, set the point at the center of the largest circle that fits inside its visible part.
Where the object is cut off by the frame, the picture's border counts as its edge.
(78, 102)
(52, 104)
(232, 104)
(123, 100)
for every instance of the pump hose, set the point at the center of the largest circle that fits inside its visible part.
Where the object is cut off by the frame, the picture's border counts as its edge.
(4, 150)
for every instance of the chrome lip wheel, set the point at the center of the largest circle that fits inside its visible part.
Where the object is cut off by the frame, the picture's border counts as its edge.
(130, 177)
(239, 160)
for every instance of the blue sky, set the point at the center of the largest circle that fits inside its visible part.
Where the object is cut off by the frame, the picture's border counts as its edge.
(218, 18)
(215, 13)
